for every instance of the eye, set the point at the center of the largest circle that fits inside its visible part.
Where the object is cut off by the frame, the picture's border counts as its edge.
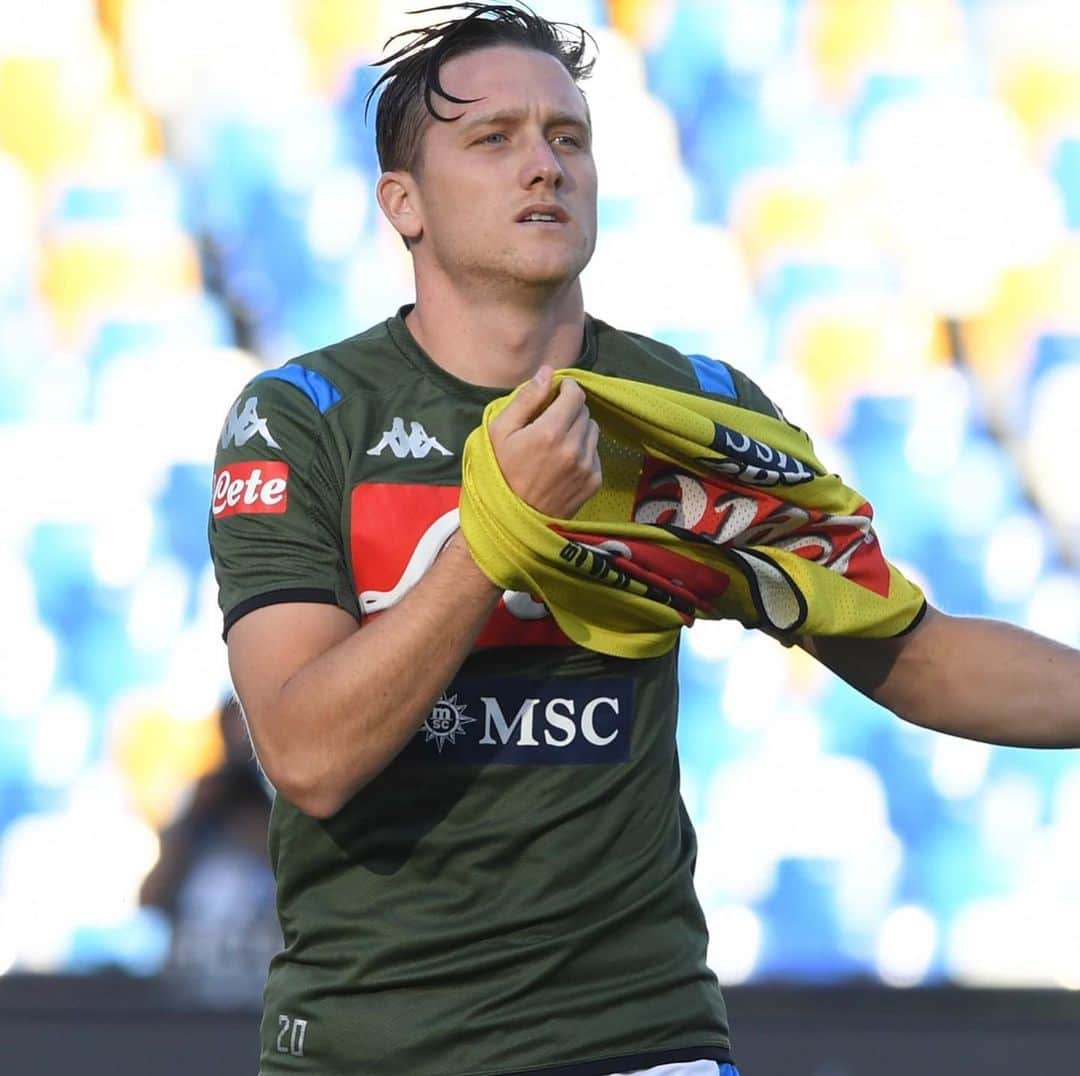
(567, 140)
(493, 138)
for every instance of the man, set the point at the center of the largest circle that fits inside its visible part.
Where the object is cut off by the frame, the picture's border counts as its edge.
(483, 863)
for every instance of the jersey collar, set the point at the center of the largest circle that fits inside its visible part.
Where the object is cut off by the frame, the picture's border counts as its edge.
(403, 339)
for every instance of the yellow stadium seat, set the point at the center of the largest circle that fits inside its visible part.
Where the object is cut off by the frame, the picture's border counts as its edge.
(42, 123)
(61, 112)
(772, 216)
(337, 33)
(842, 36)
(160, 756)
(850, 345)
(642, 21)
(849, 39)
(1045, 95)
(89, 270)
(1028, 301)
(111, 16)
(786, 215)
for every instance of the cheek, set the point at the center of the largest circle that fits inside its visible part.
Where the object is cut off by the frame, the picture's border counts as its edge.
(460, 205)
(467, 224)
(592, 185)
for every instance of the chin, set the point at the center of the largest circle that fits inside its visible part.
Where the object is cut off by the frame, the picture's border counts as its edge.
(548, 272)
(547, 279)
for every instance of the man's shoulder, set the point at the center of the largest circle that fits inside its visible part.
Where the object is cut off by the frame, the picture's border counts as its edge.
(289, 405)
(642, 358)
(368, 362)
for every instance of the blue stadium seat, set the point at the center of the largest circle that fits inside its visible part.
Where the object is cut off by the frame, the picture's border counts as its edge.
(1065, 169)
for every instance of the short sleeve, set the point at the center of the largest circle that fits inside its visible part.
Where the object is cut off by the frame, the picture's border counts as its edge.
(719, 379)
(274, 524)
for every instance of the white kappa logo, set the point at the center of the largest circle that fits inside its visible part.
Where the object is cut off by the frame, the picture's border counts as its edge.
(241, 425)
(416, 443)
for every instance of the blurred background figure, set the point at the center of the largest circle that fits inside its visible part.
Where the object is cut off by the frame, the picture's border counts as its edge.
(213, 882)
(872, 207)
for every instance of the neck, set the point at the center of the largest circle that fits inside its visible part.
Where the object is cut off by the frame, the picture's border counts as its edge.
(494, 340)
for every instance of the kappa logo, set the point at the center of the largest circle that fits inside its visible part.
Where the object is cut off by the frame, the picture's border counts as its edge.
(417, 443)
(243, 424)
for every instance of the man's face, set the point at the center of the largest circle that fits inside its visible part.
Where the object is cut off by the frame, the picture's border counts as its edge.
(523, 144)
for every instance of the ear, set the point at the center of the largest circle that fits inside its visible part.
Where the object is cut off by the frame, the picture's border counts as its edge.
(399, 199)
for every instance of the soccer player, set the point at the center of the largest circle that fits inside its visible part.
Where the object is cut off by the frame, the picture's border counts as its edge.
(482, 859)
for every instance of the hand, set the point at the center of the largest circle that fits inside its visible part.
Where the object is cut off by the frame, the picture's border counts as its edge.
(545, 446)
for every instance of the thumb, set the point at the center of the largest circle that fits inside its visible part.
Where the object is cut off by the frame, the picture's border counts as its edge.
(530, 398)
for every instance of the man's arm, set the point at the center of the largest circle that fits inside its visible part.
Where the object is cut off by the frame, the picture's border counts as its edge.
(329, 704)
(980, 679)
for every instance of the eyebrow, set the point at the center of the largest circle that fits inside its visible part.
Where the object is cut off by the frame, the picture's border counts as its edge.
(512, 116)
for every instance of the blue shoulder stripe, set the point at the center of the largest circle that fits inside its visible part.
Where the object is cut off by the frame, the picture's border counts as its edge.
(320, 390)
(713, 376)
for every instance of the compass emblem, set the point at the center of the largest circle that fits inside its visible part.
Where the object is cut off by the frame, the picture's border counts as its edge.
(446, 722)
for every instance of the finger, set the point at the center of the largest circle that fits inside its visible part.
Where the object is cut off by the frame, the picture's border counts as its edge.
(575, 437)
(590, 453)
(565, 410)
(530, 399)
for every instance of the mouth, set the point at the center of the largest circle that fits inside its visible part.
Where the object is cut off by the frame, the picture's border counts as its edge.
(543, 215)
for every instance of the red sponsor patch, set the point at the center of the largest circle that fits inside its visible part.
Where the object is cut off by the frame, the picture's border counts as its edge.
(254, 487)
(397, 531)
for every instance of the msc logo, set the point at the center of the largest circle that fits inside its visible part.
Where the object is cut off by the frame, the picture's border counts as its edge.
(446, 722)
(507, 720)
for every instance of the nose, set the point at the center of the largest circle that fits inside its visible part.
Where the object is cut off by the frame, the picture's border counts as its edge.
(543, 167)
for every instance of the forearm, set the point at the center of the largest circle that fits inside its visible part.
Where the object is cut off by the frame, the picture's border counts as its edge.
(980, 679)
(345, 714)
(988, 680)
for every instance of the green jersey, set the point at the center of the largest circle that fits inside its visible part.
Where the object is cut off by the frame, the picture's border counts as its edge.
(513, 893)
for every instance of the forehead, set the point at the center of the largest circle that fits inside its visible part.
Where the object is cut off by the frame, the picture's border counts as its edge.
(506, 76)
